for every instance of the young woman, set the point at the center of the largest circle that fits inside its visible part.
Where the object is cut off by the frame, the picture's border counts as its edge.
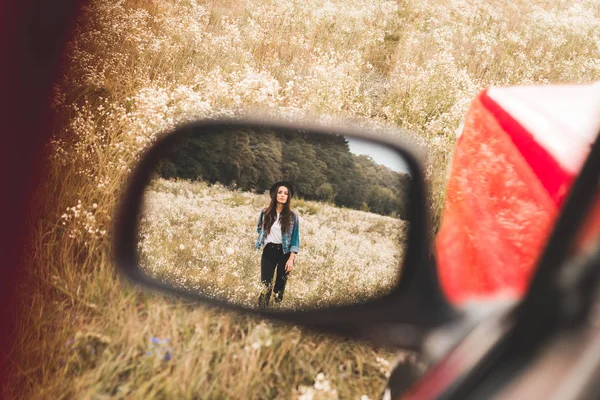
(279, 232)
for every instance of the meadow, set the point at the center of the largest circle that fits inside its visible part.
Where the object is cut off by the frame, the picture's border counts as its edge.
(201, 238)
(135, 69)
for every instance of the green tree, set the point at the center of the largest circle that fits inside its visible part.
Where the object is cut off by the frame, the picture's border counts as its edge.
(302, 166)
(325, 192)
(267, 149)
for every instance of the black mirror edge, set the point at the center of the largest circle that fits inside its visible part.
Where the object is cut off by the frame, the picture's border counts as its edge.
(402, 318)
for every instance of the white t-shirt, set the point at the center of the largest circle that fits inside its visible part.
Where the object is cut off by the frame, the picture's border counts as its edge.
(274, 235)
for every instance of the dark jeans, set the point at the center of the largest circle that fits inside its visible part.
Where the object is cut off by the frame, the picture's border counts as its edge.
(272, 262)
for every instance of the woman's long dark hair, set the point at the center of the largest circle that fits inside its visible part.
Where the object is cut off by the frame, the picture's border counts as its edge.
(270, 215)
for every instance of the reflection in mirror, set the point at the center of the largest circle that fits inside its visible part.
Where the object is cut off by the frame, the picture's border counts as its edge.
(277, 220)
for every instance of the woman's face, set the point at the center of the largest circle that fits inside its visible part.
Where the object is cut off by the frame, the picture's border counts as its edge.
(282, 195)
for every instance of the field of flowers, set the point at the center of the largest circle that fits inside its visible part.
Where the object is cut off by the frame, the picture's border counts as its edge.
(137, 68)
(201, 237)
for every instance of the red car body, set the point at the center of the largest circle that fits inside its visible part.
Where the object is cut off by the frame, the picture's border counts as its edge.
(515, 160)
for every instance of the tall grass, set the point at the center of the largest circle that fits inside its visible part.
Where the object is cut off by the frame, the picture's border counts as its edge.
(202, 238)
(136, 68)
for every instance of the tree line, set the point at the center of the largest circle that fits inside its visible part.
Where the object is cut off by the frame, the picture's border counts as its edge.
(321, 167)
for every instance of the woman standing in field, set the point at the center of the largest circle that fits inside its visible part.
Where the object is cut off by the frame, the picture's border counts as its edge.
(279, 231)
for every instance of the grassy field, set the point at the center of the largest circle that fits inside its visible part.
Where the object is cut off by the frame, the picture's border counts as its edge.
(197, 236)
(137, 68)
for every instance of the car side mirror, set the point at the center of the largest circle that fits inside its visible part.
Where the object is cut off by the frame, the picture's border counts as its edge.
(324, 227)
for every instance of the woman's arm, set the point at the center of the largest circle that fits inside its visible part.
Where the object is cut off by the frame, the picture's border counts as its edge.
(259, 225)
(295, 240)
(259, 230)
(294, 245)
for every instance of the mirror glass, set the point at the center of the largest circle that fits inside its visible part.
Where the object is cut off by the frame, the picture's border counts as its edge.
(259, 217)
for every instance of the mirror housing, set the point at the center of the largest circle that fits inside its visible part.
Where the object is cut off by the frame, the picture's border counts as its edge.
(400, 318)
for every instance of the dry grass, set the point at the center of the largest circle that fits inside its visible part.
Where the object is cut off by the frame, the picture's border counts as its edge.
(197, 236)
(137, 68)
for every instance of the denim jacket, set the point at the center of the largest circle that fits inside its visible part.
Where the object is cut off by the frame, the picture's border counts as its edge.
(290, 241)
